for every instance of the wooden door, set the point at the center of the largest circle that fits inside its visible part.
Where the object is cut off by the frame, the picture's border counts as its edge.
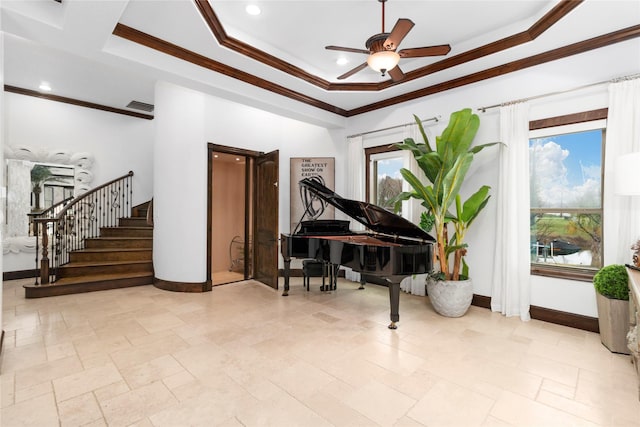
(266, 220)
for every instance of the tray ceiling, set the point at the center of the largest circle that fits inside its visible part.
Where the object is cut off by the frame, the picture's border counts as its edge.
(112, 52)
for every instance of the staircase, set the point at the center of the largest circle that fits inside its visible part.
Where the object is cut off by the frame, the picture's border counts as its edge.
(121, 257)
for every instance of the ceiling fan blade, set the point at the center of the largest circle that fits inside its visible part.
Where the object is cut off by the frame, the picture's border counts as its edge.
(418, 52)
(347, 49)
(396, 74)
(400, 30)
(353, 71)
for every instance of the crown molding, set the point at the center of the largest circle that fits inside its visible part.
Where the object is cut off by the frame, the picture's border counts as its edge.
(155, 43)
(559, 11)
(176, 51)
(507, 68)
(73, 101)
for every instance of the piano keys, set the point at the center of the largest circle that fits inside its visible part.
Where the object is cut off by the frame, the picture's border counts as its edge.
(392, 248)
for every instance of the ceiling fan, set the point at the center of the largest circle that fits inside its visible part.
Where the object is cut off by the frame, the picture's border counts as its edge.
(381, 49)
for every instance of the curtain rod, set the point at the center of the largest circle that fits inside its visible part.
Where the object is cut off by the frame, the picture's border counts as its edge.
(618, 79)
(435, 119)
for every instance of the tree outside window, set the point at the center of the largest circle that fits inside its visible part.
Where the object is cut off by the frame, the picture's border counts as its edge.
(384, 181)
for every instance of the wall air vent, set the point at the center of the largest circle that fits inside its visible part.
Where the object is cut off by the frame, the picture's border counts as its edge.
(137, 105)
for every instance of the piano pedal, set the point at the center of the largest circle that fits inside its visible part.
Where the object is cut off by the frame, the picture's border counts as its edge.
(393, 325)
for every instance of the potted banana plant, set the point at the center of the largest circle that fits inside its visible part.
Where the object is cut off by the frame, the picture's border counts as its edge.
(449, 288)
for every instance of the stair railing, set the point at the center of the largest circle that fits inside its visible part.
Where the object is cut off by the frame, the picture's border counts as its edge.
(81, 219)
(50, 212)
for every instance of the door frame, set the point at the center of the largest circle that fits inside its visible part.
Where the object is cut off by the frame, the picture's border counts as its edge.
(250, 189)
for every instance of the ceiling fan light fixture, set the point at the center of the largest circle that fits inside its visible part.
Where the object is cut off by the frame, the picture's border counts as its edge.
(383, 61)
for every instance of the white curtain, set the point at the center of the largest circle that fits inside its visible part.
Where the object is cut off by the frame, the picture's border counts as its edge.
(511, 291)
(414, 207)
(355, 186)
(414, 284)
(622, 225)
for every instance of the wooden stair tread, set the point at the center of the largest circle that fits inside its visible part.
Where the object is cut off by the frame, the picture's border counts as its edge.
(92, 278)
(103, 263)
(131, 227)
(120, 238)
(108, 250)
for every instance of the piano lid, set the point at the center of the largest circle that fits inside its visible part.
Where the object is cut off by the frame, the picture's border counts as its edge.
(373, 217)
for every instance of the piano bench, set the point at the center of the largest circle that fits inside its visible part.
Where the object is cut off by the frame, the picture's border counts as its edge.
(314, 268)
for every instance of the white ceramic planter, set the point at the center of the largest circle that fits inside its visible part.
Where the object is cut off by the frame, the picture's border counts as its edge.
(450, 298)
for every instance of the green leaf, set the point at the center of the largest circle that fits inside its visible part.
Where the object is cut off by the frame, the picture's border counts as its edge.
(431, 164)
(474, 204)
(476, 149)
(465, 269)
(397, 201)
(409, 144)
(423, 133)
(453, 180)
(480, 207)
(413, 181)
(462, 129)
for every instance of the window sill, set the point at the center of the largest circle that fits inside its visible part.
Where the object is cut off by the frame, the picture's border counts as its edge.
(568, 273)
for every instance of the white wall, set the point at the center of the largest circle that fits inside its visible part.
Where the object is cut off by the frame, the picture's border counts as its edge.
(180, 182)
(601, 65)
(118, 143)
(235, 125)
(186, 122)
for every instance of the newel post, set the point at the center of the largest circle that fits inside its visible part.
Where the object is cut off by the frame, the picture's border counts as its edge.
(44, 262)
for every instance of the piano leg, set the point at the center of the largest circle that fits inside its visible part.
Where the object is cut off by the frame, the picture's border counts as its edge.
(394, 300)
(333, 276)
(287, 270)
(325, 271)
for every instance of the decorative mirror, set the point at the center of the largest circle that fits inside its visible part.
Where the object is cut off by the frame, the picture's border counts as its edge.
(37, 179)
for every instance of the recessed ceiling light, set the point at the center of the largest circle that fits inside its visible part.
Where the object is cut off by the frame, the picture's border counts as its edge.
(237, 159)
(252, 9)
(342, 61)
(45, 86)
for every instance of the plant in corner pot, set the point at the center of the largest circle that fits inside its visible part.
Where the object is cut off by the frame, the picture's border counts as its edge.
(450, 289)
(612, 298)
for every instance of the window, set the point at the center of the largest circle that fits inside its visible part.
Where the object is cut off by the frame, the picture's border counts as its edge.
(565, 172)
(384, 181)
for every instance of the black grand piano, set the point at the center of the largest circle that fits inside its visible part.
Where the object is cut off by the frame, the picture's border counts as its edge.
(392, 249)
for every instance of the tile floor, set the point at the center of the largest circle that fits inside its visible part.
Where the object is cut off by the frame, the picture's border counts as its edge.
(243, 355)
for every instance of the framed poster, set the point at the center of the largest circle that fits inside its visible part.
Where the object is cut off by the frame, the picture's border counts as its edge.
(304, 206)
